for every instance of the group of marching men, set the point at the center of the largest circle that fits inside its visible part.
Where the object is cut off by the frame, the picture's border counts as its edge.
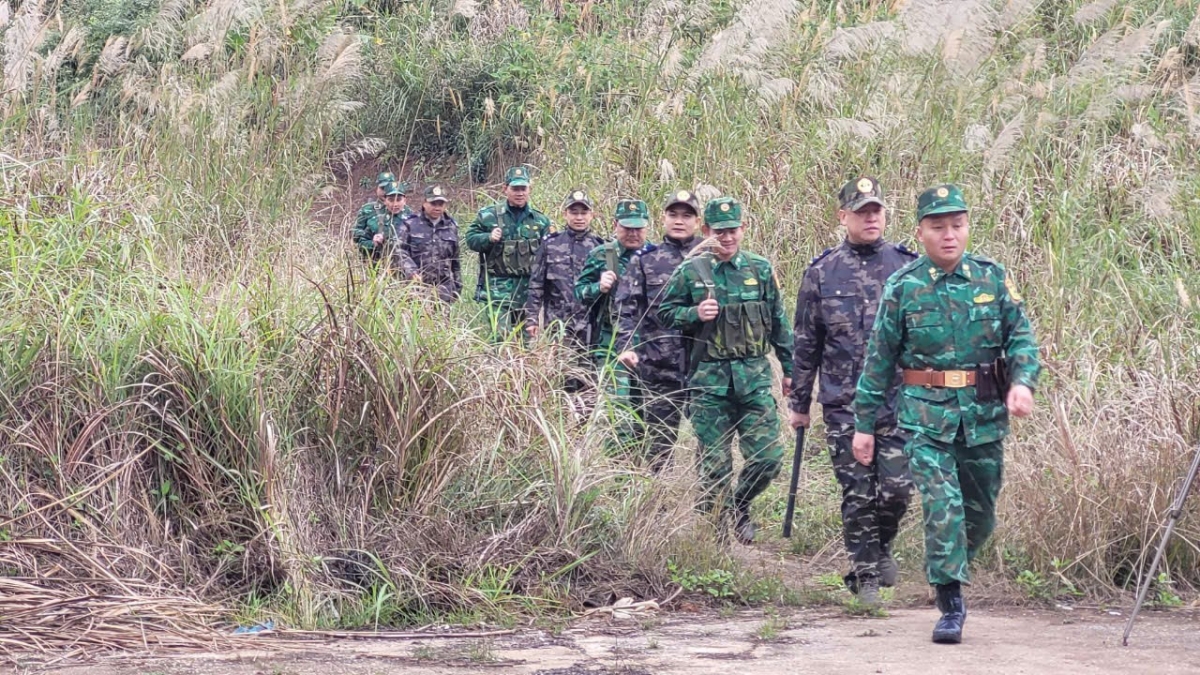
(921, 359)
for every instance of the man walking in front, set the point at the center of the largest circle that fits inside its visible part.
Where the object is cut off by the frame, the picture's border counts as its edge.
(728, 301)
(835, 310)
(507, 235)
(956, 326)
(427, 246)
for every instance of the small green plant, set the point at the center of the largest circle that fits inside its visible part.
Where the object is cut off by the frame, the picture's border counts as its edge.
(652, 643)
(1034, 585)
(481, 652)
(770, 630)
(1164, 593)
(717, 583)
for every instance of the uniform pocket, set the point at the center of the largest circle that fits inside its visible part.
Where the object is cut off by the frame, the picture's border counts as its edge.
(985, 324)
(925, 407)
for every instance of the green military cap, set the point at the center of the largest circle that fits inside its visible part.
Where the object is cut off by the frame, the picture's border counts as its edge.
(941, 199)
(577, 197)
(435, 193)
(385, 178)
(685, 197)
(632, 213)
(860, 192)
(392, 188)
(516, 176)
(723, 213)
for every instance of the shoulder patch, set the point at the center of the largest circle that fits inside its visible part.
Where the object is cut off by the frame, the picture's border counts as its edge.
(645, 249)
(983, 259)
(823, 254)
(902, 249)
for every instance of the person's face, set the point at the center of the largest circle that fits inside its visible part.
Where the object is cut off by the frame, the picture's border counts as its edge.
(729, 240)
(864, 226)
(434, 210)
(631, 238)
(680, 222)
(944, 237)
(394, 203)
(579, 217)
(517, 195)
(379, 192)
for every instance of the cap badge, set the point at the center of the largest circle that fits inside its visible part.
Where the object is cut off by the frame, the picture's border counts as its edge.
(577, 195)
(682, 195)
(437, 192)
(942, 193)
(865, 185)
(724, 207)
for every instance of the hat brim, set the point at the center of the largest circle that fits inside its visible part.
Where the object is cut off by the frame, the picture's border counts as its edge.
(859, 203)
(690, 205)
(518, 182)
(725, 225)
(573, 202)
(437, 198)
(941, 210)
(634, 223)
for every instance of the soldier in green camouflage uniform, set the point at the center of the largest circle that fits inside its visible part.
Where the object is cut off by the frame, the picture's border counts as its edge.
(729, 301)
(655, 355)
(835, 310)
(374, 207)
(376, 238)
(559, 261)
(427, 246)
(956, 326)
(507, 236)
(598, 282)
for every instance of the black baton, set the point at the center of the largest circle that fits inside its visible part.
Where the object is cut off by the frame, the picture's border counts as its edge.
(795, 484)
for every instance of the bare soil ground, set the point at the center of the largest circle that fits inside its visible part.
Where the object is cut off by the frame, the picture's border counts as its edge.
(748, 643)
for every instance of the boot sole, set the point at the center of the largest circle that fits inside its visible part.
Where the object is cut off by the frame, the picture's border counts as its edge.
(947, 638)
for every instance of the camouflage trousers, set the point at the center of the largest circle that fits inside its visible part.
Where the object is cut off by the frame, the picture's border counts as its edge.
(659, 407)
(754, 417)
(874, 498)
(959, 485)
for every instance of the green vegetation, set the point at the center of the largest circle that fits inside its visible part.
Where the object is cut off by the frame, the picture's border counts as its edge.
(201, 390)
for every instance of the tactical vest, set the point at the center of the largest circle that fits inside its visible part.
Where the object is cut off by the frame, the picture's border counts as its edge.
(743, 328)
(514, 258)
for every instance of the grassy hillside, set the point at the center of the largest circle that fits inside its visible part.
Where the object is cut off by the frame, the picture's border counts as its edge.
(202, 391)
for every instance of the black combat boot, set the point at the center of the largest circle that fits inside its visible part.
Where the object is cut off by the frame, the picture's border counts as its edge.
(954, 613)
(743, 527)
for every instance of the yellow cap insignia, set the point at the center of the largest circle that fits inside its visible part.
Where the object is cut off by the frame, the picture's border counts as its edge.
(865, 185)
(1012, 291)
(942, 193)
(437, 192)
(577, 195)
(518, 172)
(984, 298)
(682, 195)
(752, 282)
(724, 207)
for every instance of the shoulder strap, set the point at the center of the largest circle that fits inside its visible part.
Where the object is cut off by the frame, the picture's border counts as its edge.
(610, 258)
(703, 266)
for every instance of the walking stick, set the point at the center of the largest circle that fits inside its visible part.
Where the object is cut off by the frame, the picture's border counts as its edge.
(1172, 518)
(795, 484)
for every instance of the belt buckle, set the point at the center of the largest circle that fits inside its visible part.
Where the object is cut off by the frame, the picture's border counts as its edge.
(955, 379)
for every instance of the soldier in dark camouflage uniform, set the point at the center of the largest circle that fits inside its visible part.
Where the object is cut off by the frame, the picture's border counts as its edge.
(835, 310)
(559, 261)
(427, 246)
(655, 355)
(956, 325)
(377, 236)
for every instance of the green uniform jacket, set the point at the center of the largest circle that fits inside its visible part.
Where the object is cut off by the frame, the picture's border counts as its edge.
(601, 309)
(957, 321)
(500, 279)
(745, 278)
(366, 226)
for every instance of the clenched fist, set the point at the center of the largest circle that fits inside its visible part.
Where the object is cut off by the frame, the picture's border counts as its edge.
(708, 310)
(497, 235)
(607, 280)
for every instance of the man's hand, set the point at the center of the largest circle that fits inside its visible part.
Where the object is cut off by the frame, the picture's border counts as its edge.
(377, 239)
(787, 386)
(708, 309)
(628, 359)
(1020, 400)
(607, 279)
(533, 329)
(864, 448)
(497, 235)
(798, 420)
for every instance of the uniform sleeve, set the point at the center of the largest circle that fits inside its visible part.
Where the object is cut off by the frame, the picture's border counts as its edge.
(362, 234)
(537, 288)
(631, 304)
(879, 368)
(544, 225)
(677, 310)
(1020, 344)
(480, 231)
(781, 328)
(456, 265)
(404, 259)
(808, 337)
(587, 286)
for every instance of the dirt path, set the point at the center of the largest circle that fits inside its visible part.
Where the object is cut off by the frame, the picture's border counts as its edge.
(750, 643)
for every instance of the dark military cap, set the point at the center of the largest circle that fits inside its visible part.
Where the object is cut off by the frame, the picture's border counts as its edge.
(723, 213)
(517, 176)
(632, 213)
(578, 197)
(685, 197)
(860, 192)
(435, 193)
(941, 199)
(385, 178)
(392, 188)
